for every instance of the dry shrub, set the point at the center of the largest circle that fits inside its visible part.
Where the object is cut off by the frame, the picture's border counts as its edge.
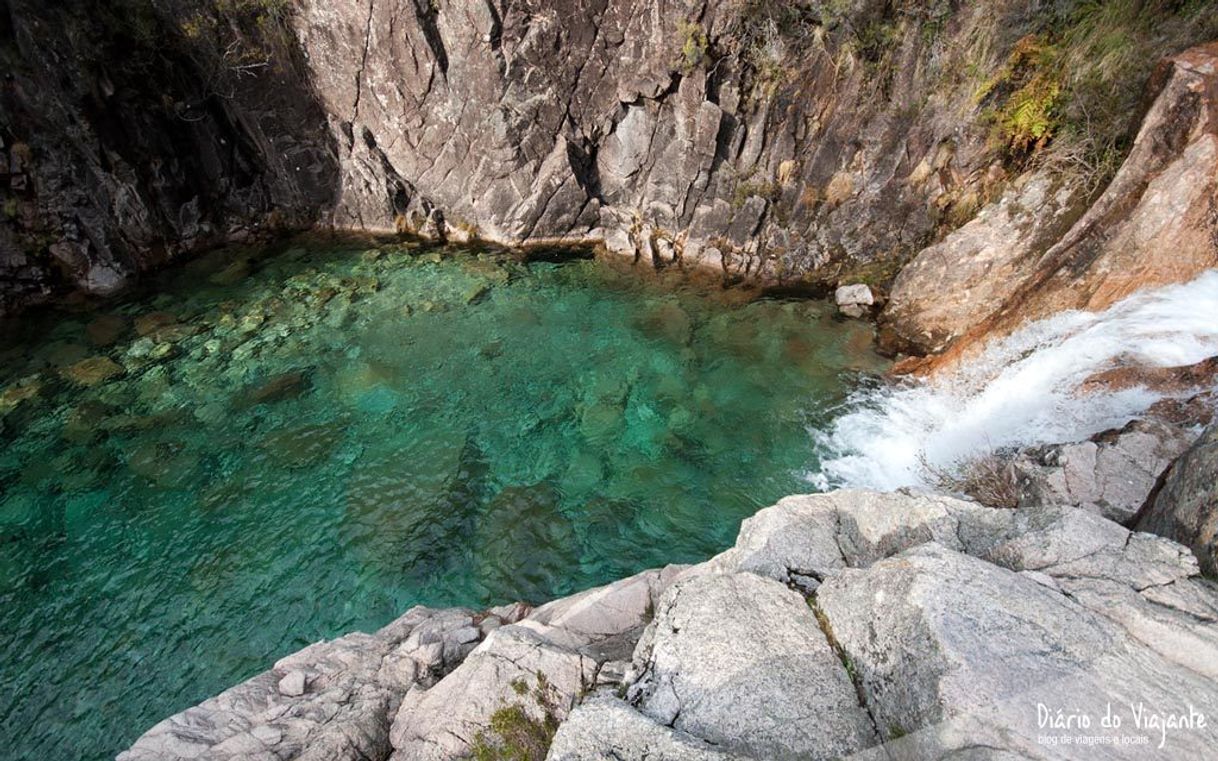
(989, 478)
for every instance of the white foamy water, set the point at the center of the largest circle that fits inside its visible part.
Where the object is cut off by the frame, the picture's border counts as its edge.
(1021, 390)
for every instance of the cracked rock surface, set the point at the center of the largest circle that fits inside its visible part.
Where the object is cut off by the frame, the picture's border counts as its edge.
(1186, 508)
(894, 625)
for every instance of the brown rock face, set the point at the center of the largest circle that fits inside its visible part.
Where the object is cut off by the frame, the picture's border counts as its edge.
(1167, 380)
(1156, 224)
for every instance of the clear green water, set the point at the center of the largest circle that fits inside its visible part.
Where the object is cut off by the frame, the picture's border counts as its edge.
(317, 444)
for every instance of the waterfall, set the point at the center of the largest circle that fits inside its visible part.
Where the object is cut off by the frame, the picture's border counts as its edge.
(1022, 390)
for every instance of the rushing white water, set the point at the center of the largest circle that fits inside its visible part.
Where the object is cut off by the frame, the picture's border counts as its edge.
(1022, 390)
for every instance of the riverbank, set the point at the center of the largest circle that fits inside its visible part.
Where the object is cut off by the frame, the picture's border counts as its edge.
(841, 623)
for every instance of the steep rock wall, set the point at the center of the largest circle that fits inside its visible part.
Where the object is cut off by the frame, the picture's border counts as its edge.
(790, 144)
(774, 141)
(123, 143)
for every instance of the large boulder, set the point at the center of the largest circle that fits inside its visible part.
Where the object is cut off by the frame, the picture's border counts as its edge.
(741, 662)
(806, 538)
(954, 284)
(1152, 226)
(955, 653)
(934, 628)
(1186, 507)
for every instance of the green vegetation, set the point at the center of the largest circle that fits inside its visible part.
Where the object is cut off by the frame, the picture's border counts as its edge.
(1027, 92)
(1067, 93)
(694, 46)
(515, 733)
(823, 621)
(744, 190)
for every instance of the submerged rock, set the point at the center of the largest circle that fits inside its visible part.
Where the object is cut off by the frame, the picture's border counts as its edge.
(106, 329)
(93, 371)
(303, 446)
(525, 543)
(147, 324)
(287, 385)
(407, 507)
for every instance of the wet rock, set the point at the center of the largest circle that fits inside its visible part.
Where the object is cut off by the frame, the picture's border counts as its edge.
(600, 422)
(525, 542)
(17, 392)
(408, 506)
(168, 464)
(475, 293)
(105, 330)
(232, 274)
(667, 322)
(147, 324)
(277, 388)
(63, 354)
(85, 421)
(93, 371)
(302, 446)
(1162, 380)
(1185, 507)
(487, 269)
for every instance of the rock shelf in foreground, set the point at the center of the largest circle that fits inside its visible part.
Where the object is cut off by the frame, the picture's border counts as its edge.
(891, 625)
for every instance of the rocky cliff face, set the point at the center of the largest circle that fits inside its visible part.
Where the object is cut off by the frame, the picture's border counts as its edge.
(787, 143)
(1155, 224)
(124, 144)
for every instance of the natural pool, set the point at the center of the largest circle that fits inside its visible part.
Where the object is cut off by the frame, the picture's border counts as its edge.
(266, 450)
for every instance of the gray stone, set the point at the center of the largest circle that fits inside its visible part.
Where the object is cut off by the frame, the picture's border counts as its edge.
(353, 685)
(815, 536)
(606, 729)
(564, 642)
(1186, 508)
(444, 722)
(292, 685)
(740, 662)
(955, 653)
(854, 300)
(1111, 475)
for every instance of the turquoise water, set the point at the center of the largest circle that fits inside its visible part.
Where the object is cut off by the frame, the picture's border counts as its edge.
(276, 449)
